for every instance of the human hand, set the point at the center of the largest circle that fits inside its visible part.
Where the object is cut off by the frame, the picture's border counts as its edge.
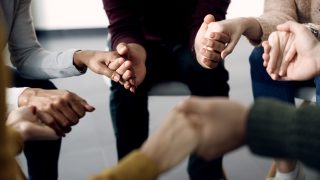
(59, 109)
(276, 49)
(207, 49)
(221, 124)
(299, 61)
(220, 38)
(25, 121)
(109, 64)
(137, 55)
(173, 141)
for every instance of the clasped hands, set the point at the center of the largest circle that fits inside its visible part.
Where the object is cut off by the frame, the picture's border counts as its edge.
(215, 40)
(125, 65)
(291, 53)
(197, 125)
(61, 109)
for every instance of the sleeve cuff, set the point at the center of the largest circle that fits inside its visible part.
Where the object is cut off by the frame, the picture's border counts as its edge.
(12, 97)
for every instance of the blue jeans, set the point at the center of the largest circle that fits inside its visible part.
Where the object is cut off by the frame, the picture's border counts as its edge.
(264, 86)
(129, 112)
(42, 156)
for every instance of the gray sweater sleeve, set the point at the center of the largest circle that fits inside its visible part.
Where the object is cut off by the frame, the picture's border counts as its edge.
(276, 129)
(31, 60)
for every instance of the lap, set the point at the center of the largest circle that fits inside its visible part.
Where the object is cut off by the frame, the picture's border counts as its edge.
(18, 81)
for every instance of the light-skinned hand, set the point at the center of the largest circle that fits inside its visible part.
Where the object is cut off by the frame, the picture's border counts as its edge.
(221, 124)
(25, 121)
(299, 59)
(173, 141)
(137, 55)
(209, 46)
(110, 64)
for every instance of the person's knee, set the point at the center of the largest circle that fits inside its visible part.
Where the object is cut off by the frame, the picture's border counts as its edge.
(255, 58)
(19, 81)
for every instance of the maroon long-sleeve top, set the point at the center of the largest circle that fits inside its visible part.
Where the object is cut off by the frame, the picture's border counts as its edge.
(165, 21)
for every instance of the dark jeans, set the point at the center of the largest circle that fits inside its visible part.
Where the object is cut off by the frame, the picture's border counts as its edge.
(264, 86)
(42, 156)
(129, 111)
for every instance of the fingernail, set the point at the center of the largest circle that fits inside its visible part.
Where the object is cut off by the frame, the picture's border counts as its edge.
(116, 78)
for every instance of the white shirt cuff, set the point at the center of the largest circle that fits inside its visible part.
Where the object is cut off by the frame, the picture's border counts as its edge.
(12, 96)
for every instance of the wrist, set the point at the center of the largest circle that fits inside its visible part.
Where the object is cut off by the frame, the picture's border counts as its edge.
(78, 62)
(25, 96)
(251, 28)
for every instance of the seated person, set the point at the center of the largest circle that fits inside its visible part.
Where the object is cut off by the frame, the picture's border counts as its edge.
(34, 66)
(256, 30)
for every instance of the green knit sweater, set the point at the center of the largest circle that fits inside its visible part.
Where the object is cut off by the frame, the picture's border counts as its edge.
(275, 129)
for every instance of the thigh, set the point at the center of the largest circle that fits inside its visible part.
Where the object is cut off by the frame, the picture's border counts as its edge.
(201, 81)
(18, 81)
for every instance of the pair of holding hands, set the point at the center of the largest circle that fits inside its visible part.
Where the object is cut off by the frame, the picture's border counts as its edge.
(288, 53)
(291, 53)
(200, 125)
(124, 65)
(61, 109)
(214, 41)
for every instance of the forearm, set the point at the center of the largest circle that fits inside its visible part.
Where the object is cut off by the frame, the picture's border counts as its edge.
(280, 130)
(252, 29)
(27, 55)
(37, 63)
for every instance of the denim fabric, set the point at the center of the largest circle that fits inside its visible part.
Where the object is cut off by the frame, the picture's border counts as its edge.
(129, 112)
(42, 156)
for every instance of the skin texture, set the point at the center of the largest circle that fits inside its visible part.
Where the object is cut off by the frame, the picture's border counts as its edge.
(59, 109)
(26, 121)
(291, 53)
(219, 38)
(137, 55)
(111, 64)
(216, 125)
(209, 46)
(176, 138)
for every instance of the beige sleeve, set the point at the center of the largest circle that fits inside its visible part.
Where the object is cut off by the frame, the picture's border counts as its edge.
(275, 12)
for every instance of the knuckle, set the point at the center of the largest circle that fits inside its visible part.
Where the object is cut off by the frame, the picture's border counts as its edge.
(48, 107)
(81, 114)
(67, 95)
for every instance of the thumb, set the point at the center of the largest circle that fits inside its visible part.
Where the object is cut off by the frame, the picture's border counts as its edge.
(122, 48)
(231, 45)
(206, 21)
